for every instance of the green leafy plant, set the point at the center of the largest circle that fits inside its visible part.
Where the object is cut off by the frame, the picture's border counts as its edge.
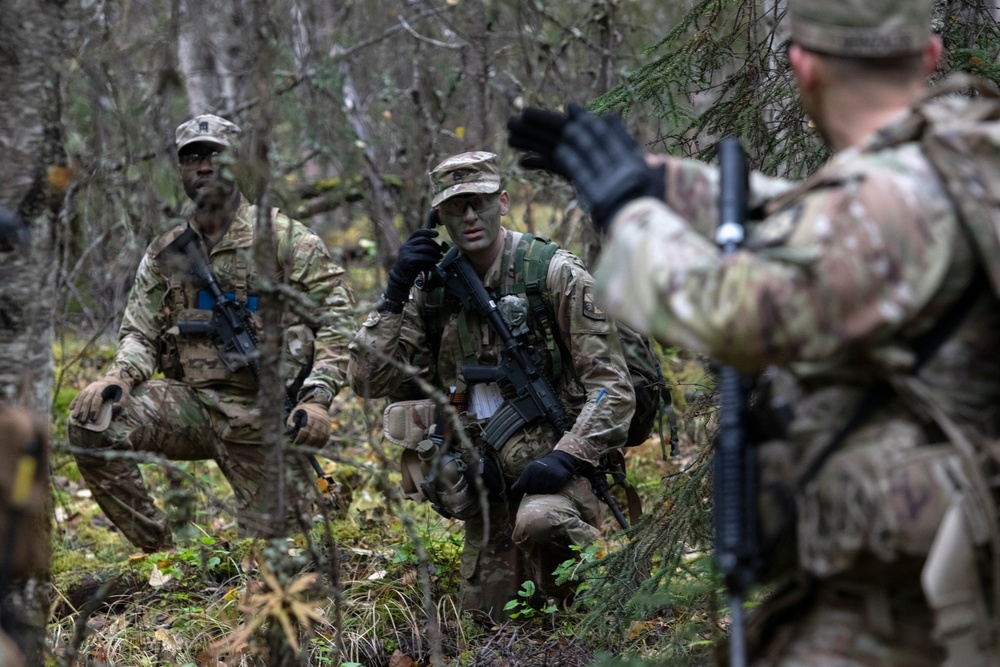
(523, 604)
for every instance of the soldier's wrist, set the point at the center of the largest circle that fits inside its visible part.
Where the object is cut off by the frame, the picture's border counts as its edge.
(386, 304)
(121, 376)
(318, 394)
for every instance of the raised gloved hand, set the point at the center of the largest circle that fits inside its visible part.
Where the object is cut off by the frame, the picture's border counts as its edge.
(312, 423)
(605, 163)
(87, 404)
(548, 474)
(419, 252)
(537, 131)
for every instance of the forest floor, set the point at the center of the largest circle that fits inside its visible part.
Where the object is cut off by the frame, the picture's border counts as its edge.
(373, 582)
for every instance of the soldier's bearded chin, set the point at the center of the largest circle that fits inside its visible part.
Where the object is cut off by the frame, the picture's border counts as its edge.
(213, 199)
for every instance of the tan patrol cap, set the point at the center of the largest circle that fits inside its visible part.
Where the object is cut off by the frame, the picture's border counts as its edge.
(861, 28)
(466, 172)
(208, 129)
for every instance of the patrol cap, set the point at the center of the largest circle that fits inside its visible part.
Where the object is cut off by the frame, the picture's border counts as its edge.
(861, 28)
(207, 129)
(475, 171)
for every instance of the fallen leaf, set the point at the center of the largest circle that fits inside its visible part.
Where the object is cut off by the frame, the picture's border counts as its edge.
(157, 578)
(398, 659)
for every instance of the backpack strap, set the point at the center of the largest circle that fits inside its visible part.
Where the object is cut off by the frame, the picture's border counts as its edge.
(433, 317)
(433, 313)
(532, 257)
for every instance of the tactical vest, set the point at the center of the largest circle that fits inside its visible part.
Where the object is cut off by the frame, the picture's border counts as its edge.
(194, 359)
(532, 255)
(531, 264)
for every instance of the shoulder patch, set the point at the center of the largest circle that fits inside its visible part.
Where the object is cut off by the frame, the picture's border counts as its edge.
(590, 308)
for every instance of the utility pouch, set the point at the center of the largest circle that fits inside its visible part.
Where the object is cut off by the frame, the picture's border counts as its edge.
(864, 499)
(527, 445)
(407, 423)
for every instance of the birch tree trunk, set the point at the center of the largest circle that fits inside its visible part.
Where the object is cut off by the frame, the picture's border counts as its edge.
(33, 177)
(381, 201)
(215, 54)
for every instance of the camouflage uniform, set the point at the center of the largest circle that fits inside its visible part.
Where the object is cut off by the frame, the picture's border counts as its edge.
(202, 410)
(593, 385)
(836, 281)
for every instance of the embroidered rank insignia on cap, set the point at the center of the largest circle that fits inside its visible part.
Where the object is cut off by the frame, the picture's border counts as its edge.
(590, 307)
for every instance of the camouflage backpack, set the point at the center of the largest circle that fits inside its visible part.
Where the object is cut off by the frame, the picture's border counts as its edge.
(531, 265)
(961, 138)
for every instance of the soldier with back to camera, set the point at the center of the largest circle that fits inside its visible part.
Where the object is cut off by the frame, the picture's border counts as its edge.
(864, 284)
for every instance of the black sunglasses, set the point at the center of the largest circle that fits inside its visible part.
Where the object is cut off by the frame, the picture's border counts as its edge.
(197, 157)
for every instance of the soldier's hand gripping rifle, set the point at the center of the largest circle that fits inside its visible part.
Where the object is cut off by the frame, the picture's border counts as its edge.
(735, 465)
(519, 372)
(232, 330)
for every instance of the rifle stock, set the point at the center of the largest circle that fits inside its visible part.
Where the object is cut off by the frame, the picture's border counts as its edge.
(735, 464)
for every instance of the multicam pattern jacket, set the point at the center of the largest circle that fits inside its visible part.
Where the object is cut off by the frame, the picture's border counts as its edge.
(163, 294)
(594, 383)
(836, 281)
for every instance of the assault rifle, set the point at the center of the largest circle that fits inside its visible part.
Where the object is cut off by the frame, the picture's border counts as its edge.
(735, 467)
(233, 332)
(519, 371)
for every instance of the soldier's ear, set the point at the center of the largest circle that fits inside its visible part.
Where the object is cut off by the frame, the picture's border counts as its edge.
(804, 66)
(931, 55)
(504, 202)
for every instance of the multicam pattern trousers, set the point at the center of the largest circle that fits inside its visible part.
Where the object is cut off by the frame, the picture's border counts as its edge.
(181, 423)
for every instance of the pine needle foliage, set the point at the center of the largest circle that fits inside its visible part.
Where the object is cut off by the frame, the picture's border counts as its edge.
(722, 70)
(660, 586)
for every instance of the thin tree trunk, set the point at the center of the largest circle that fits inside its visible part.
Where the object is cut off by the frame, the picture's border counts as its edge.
(33, 174)
(215, 56)
(33, 178)
(381, 203)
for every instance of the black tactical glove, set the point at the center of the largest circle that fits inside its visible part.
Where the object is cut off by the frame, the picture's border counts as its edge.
(548, 474)
(605, 163)
(537, 131)
(419, 252)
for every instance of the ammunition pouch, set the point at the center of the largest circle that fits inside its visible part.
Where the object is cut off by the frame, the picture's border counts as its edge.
(526, 445)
